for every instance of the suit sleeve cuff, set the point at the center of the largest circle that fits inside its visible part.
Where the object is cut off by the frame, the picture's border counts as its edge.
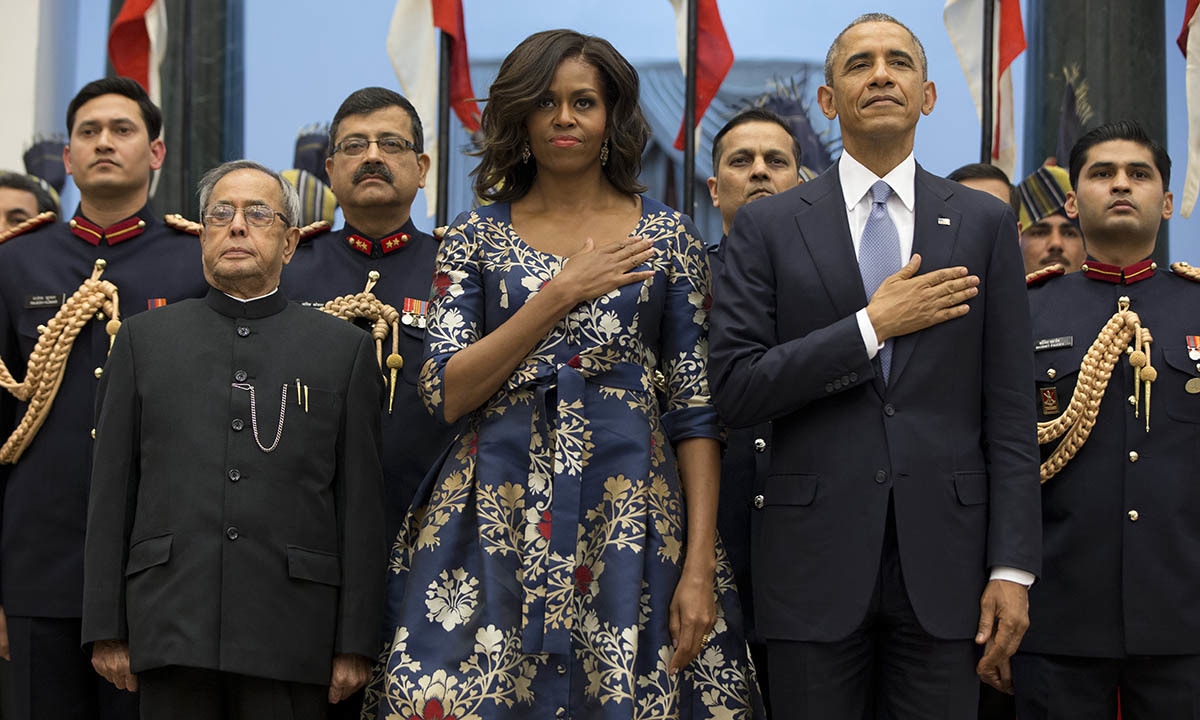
(867, 330)
(1021, 577)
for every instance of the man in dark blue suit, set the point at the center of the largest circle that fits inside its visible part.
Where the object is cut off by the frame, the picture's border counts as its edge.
(877, 315)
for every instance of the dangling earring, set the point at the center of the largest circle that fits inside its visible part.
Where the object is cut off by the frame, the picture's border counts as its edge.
(604, 152)
(525, 153)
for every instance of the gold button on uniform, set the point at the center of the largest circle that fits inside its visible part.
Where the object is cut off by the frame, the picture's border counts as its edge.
(1133, 456)
(1133, 515)
(98, 372)
(1132, 400)
(1051, 373)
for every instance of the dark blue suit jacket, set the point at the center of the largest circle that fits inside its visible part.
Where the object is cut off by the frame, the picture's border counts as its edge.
(950, 439)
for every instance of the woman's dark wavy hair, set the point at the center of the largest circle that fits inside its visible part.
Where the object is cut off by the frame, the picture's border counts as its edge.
(524, 77)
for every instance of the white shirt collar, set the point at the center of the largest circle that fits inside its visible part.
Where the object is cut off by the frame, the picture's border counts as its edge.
(249, 300)
(857, 180)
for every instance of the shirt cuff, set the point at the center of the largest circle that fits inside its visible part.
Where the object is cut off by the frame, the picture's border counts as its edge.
(1021, 577)
(867, 330)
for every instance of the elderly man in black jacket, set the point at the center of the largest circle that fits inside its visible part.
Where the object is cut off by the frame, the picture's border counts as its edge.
(235, 551)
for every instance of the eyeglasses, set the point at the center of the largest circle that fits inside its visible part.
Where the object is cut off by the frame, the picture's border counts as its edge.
(221, 215)
(390, 145)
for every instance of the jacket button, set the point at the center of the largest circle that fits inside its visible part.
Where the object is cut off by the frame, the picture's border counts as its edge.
(240, 376)
(1133, 515)
(759, 501)
(828, 387)
(243, 331)
(98, 372)
(231, 533)
(1051, 373)
(853, 377)
(235, 474)
(881, 476)
(93, 433)
(759, 445)
(1132, 400)
(889, 410)
(238, 424)
(837, 384)
(1133, 456)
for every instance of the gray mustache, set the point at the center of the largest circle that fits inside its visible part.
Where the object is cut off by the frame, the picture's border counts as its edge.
(372, 168)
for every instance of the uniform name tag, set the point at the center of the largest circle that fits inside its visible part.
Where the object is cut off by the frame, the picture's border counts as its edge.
(44, 301)
(1051, 343)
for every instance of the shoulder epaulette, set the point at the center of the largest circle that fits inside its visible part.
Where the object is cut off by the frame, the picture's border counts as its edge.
(182, 224)
(1040, 276)
(31, 224)
(1185, 270)
(312, 230)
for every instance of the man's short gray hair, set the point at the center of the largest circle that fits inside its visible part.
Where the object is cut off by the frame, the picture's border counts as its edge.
(874, 17)
(291, 200)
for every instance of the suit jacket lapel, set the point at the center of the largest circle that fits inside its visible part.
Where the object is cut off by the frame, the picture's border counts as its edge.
(935, 231)
(826, 233)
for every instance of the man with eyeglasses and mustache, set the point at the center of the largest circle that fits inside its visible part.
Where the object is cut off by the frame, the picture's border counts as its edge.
(235, 557)
(114, 147)
(376, 164)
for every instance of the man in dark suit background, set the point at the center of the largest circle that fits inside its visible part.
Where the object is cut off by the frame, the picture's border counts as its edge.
(877, 315)
(234, 563)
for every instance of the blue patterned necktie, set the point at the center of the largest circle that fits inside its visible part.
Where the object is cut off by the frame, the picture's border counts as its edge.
(879, 255)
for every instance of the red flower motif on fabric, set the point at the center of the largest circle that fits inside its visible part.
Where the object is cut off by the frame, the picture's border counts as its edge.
(583, 579)
(473, 447)
(575, 362)
(545, 524)
(433, 711)
(441, 284)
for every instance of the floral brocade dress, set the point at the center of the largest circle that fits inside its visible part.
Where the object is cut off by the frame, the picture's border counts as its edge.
(535, 572)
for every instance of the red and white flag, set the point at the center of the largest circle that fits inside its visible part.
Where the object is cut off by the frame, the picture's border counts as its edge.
(1189, 43)
(714, 55)
(137, 44)
(412, 45)
(964, 24)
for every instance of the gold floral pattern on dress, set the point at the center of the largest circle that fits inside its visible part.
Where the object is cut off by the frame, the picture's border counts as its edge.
(541, 559)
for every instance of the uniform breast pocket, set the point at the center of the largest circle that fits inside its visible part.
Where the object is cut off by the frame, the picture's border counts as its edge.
(1055, 375)
(1179, 384)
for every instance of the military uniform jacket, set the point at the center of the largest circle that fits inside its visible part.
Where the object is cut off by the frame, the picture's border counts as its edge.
(45, 496)
(335, 264)
(206, 551)
(1122, 519)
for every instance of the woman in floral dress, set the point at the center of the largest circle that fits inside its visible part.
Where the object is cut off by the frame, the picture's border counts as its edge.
(563, 561)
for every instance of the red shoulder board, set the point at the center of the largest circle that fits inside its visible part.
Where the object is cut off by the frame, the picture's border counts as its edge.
(182, 224)
(315, 229)
(1037, 277)
(1183, 269)
(31, 224)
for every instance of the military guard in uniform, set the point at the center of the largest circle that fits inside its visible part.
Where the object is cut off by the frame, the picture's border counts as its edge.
(113, 148)
(376, 164)
(1117, 375)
